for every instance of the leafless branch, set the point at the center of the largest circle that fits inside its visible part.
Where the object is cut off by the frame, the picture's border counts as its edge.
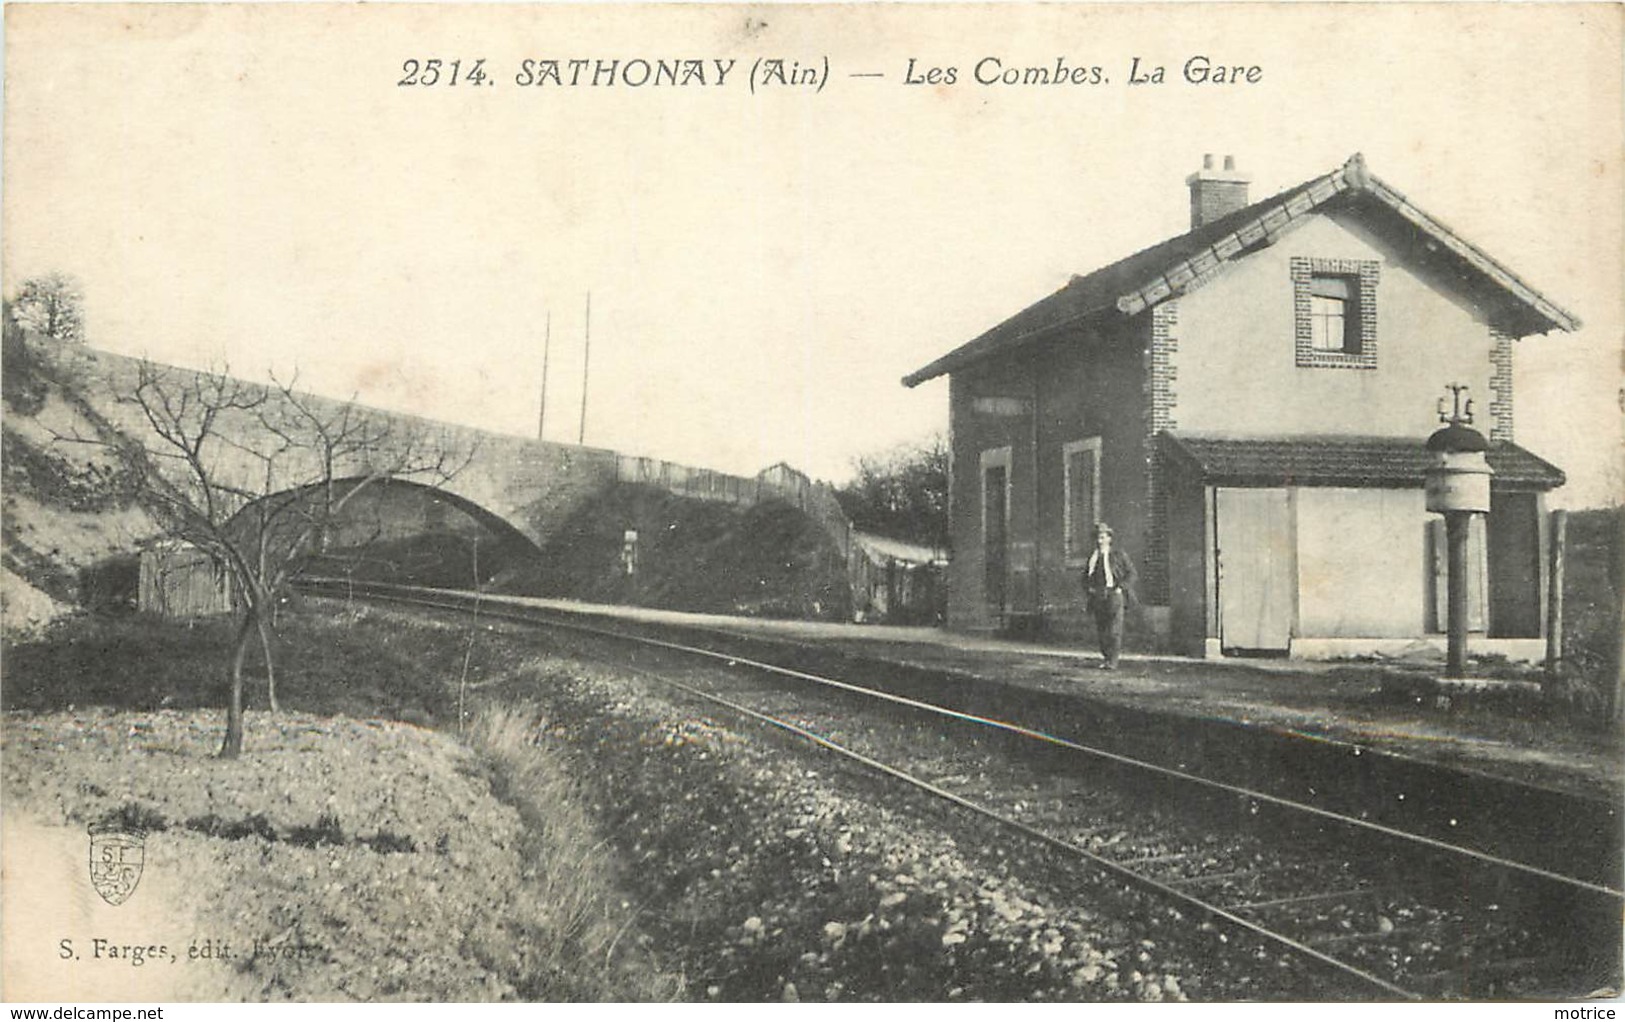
(257, 476)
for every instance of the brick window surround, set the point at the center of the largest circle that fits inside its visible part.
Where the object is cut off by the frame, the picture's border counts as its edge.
(1363, 273)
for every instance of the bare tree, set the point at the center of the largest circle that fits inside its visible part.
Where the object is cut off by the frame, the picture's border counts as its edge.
(52, 305)
(258, 477)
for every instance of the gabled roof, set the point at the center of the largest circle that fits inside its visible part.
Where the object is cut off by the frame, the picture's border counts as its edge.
(1342, 461)
(1168, 269)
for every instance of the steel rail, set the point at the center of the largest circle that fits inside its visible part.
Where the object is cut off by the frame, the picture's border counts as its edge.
(533, 613)
(1110, 866)
(509, 610)
(1181, 775)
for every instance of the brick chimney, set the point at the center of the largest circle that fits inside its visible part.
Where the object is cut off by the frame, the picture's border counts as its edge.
(1214, 192)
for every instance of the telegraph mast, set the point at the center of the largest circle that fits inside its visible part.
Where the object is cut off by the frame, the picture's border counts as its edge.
(586, 364)
(547, 345)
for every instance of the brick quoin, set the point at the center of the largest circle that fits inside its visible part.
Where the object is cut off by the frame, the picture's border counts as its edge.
(1500, 386)
(1161, 400)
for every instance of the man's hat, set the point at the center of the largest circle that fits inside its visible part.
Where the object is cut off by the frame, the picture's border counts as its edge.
(1102, 529)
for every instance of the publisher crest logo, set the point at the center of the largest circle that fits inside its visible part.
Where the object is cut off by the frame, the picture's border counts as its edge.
(116, 858)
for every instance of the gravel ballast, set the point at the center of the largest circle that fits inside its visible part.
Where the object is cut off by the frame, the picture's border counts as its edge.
(776, 872)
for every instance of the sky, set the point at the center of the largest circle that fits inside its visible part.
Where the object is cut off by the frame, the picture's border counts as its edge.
(252, 186)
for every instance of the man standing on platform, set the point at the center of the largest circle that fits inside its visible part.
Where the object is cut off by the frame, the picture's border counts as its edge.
(1108, 584)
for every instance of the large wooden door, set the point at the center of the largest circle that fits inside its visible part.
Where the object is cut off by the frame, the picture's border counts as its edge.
(1257, 569)
(1513, 540)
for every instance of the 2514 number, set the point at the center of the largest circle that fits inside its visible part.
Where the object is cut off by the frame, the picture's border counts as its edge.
(443, 72)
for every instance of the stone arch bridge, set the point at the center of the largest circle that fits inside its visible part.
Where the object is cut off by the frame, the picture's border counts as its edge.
(514, 486)
(529, 486)
(519, 490)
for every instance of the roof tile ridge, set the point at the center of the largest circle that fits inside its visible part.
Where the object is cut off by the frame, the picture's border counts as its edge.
(1458, 243)
(1281, 210)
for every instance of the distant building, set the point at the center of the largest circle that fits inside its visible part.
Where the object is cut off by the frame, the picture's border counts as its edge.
(902, 582)
(179, 580)
(1246, 404)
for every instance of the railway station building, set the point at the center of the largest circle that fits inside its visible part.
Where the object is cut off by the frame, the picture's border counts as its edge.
(1246, 404)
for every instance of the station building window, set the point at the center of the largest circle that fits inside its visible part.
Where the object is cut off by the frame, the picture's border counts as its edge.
(1334, 314)
(1081, 483)
(1335, 307)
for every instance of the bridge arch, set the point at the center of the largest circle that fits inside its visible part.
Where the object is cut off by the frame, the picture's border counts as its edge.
(402, 530)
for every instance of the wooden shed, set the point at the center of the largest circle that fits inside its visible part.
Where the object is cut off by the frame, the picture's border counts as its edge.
(179, 580)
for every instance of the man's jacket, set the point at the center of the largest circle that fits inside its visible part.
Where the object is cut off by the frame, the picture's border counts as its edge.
(1094, 577)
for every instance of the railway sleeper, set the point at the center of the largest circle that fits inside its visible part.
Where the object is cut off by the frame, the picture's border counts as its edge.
(1426, 946)
(1478, 978)
(1231, 876)
(1299, 900)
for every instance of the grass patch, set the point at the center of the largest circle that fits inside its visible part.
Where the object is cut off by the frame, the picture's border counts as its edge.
(559, 928)
(1591, 594)
(329, 662)
(568, 921)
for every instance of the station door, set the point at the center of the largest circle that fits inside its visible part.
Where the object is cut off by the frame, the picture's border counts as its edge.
(1257, 570)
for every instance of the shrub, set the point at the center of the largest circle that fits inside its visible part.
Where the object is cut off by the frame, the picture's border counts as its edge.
(134, 818)
(255, 825)
(326, 831)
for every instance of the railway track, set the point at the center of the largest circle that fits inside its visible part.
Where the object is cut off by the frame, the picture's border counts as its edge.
(1375, 910)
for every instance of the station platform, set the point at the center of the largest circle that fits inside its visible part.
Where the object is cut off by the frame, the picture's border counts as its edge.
(1376, 706)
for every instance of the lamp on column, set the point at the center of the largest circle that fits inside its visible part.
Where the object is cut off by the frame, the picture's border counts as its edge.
(1457, 481)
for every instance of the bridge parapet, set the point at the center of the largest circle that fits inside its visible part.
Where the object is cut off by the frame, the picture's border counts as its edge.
(532, 484)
